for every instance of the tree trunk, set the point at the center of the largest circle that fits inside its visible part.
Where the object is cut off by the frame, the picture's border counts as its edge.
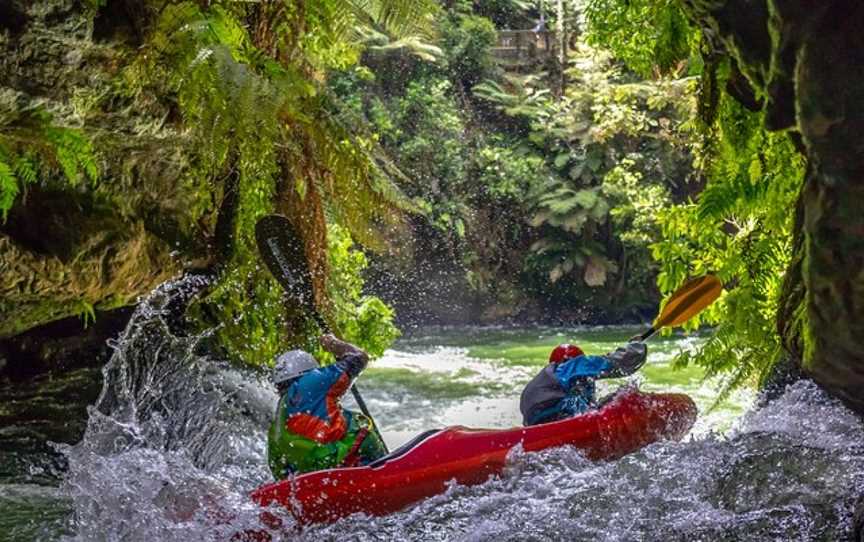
(561, 44)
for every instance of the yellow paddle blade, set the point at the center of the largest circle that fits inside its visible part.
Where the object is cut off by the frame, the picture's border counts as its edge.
(689, 300)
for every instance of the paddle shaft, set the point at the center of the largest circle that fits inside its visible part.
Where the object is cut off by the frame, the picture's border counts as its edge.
(647, 335)
(284, 256)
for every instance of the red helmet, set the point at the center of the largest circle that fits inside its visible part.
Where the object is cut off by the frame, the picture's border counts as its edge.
(565, 351)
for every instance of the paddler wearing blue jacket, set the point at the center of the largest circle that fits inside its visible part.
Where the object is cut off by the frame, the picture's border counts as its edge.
(565, 387)
(311, 431)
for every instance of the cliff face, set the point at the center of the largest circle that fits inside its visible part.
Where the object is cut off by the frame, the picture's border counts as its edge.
(806, 62)
(829, 78)
(142, 139)
(76, 248)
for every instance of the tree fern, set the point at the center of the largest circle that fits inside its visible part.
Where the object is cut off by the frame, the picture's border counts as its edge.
(247, 80)
(397, 17)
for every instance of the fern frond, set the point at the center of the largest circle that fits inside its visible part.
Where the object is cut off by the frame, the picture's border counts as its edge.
(25, 169)
(73, 153)
(8, 187)
(400, 18)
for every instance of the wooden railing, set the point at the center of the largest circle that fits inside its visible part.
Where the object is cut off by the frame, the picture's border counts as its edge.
(523, 45)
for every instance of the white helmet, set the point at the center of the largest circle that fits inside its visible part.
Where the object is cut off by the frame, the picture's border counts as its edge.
(292, 364)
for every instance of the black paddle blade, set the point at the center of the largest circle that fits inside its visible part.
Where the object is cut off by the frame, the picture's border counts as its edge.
(283, 253)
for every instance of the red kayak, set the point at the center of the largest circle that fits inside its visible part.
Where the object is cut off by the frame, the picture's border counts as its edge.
(423, 467)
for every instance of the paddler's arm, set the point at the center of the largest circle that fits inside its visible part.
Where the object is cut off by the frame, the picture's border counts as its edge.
(575, 370)
(352, 358)
(626, 360)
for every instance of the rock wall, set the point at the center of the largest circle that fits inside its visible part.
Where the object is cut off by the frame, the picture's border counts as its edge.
(68, 250)
(806, 62)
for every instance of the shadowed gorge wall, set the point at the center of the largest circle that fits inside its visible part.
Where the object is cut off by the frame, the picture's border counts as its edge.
(806, 61)
(69, 248)
(142, 140)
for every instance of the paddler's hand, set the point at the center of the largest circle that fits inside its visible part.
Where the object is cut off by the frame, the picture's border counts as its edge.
(627, 359)
(330, 343)
(338, 347)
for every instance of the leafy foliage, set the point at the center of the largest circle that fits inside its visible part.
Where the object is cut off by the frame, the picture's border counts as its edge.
(600, 127)
(512, 177)
(741, 229)
(424, 130)
(466, 42)
(361, 319)
(379, 44)
(32, 148)
(503, 173)
(740, 225)
(646, 34)
(247, 81)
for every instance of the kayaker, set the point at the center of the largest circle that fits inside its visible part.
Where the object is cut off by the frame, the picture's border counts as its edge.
(565, 387)
(311, 431)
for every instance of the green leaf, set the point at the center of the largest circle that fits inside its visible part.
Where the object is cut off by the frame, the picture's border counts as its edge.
(586, 198)
(540, 218)
(600, 209)
(575, 222)
(562, 159)
(562, 206)
(8, 188)
(460, 228)
(594, 163)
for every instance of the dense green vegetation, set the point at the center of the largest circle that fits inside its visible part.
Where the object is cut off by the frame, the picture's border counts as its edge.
(740, 225)
(580, 192)
(246, 80)
(645, 169)
(542, 199)
(243, 86)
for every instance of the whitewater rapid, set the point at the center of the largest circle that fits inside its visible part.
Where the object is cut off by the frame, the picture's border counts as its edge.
(177, 441)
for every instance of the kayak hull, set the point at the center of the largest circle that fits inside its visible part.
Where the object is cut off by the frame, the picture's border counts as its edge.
(628, 422)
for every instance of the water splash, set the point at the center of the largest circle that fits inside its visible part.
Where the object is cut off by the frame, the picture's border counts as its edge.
(176, 442)
(789, 472)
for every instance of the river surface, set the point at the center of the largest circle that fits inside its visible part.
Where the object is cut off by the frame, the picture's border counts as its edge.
(173, 426)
